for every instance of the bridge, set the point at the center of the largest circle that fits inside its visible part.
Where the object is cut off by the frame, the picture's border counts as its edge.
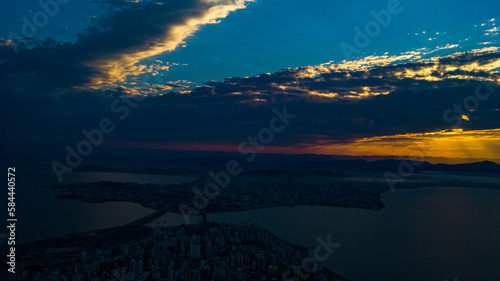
(89, 235)
(149, 218)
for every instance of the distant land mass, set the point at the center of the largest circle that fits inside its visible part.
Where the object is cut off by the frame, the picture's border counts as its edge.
(45, 154)
(276, 163)
(284, 181)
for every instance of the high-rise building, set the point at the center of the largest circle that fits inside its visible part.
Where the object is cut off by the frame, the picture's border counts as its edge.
(140, 268)
(133, 266)
(194, 251)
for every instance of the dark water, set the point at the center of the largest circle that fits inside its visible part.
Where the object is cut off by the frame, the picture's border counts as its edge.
(40, 215)
(424, 234)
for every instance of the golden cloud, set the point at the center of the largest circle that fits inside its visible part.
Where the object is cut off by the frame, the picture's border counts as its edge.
(117, 67)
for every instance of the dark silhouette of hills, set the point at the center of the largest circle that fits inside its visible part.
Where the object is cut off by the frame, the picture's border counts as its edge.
(184, 162)
(290, 165)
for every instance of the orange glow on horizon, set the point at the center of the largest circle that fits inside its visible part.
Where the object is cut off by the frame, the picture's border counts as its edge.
(453, 144)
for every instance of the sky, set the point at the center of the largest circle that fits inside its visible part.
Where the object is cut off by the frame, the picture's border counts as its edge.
(390, 78)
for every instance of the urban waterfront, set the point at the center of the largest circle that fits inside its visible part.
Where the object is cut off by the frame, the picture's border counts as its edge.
(447, 231)
(54, 217)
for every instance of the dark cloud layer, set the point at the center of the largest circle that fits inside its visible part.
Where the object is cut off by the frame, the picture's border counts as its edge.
(229, 111)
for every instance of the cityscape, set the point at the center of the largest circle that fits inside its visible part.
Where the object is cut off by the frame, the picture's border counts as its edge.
(226, 140)
(205, 251)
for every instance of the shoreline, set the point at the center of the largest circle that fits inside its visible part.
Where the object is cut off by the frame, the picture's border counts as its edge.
(235, 211)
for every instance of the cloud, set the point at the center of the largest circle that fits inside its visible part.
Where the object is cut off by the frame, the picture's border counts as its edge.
(366, 106)
(493, 30)
(451, 143)
(364, 78)
(155, 29)
(359, 107)
(112, 49)
(336, 103)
